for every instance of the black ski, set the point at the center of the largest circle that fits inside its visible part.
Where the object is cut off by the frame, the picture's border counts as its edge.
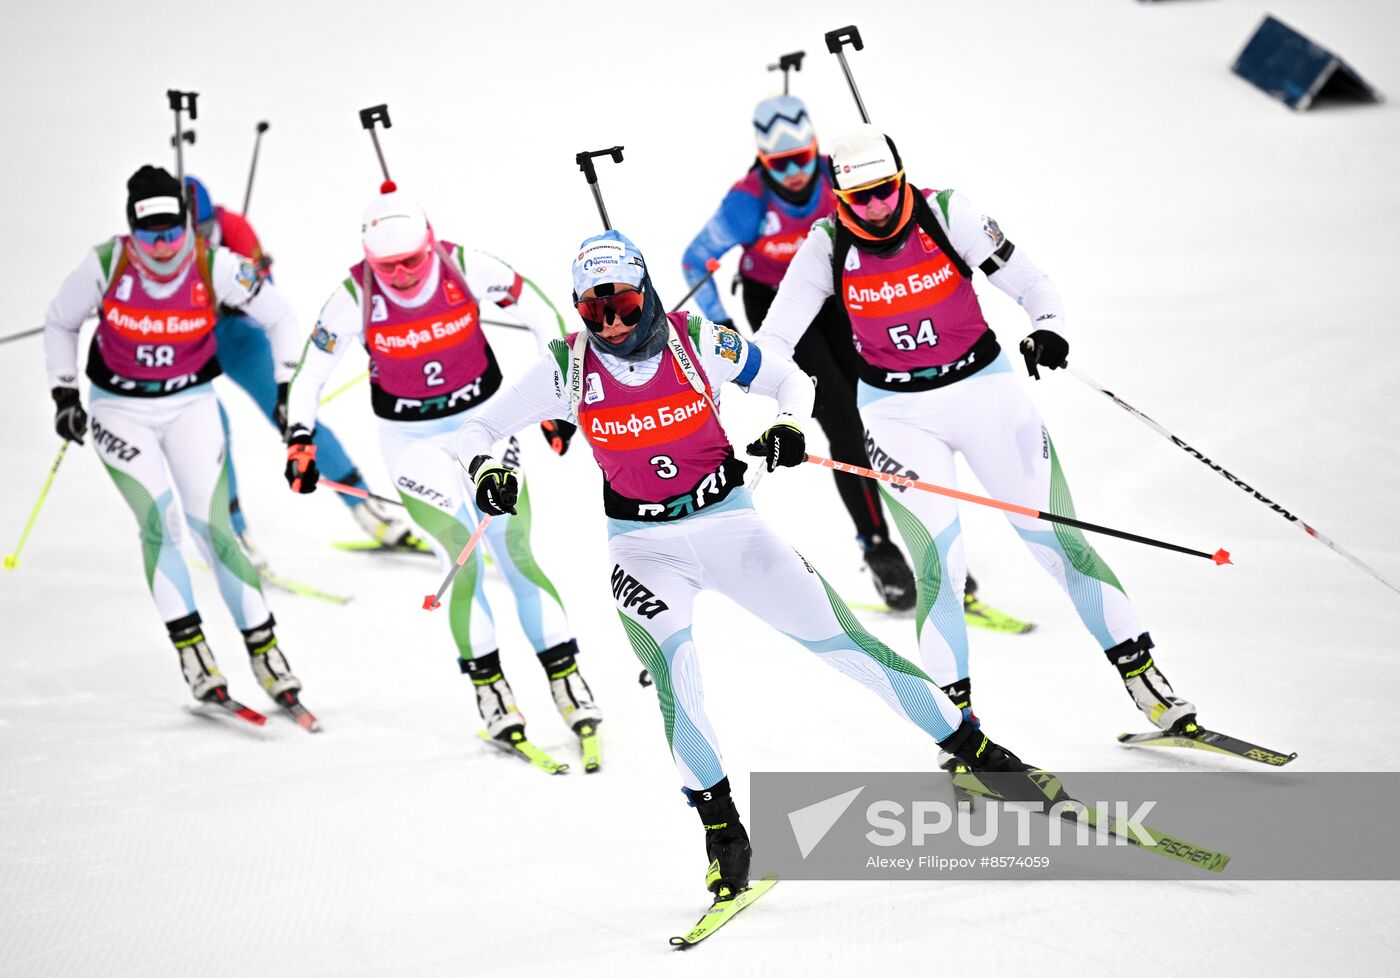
(1200, 738)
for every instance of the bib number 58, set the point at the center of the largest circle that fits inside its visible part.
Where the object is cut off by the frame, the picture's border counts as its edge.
(148, 355)
(924, 336)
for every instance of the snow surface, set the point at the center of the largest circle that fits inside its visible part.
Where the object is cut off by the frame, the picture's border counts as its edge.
(1228, 268)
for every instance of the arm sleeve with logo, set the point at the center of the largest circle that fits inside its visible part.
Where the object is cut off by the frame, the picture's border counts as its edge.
(77, 298)
(492, 280)
(976, 236)
(538, 394)
(807, 284)
(737, 221)
(237, 285)
(727, 356)
(339, 327)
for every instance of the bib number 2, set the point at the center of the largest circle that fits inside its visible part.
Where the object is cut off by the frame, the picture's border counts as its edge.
(924, 336)
(432, 374)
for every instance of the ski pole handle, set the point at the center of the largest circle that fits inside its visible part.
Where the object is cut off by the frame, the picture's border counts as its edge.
(590, 173)
(711, 266)
(345, 490)
(787, 63)
(836, 42)
(839, 38)
(368, 119)
(12, 559)
(432, 601)
(585, 160)
(182, 102)
(1220, 557)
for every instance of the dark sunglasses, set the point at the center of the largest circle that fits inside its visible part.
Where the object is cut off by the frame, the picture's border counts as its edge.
(800, 158)
(862, 196)
(625, 305)
(171, 235)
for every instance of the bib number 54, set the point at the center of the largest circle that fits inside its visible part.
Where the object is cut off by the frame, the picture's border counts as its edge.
(924, 336)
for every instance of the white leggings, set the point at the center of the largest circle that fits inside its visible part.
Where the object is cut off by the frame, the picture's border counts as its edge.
(155, 448)
(991, 421)
(441, 500)
(659, 569)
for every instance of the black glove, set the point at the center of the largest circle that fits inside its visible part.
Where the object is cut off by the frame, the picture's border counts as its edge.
(557, 433)
(301, 471)
(279, 413)
(496, 485)
(781, 444)
(1044, 347)
(70, 420)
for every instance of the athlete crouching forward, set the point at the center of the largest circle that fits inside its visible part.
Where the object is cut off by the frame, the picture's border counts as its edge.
(643, 387)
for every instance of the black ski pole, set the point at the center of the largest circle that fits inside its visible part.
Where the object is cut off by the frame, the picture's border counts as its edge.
(835, 43)
(711, 266)
(181, 102)
(248, 192)
(22, 334)
(368, 118)
(789, 62)
(585, 163)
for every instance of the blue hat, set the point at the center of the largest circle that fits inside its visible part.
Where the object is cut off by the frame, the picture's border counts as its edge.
(781, 125)
(203, 203)
(608, 257)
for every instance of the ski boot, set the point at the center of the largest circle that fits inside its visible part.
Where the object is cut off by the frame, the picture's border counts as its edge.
(995, 772)
(1148, 687)
(893, 578)
(574, 700)
(274, 675)
(385, 527)
(270, 666)
(196, 661)
(726, 842)
(960, 692)
(494, 699)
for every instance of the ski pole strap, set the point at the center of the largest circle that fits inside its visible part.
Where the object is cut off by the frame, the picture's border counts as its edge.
(432, 601)
(1233, 479)
(1220, 557)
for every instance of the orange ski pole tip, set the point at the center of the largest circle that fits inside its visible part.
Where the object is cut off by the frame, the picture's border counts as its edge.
(712, 265)
(430, 602)
(1221, 557)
